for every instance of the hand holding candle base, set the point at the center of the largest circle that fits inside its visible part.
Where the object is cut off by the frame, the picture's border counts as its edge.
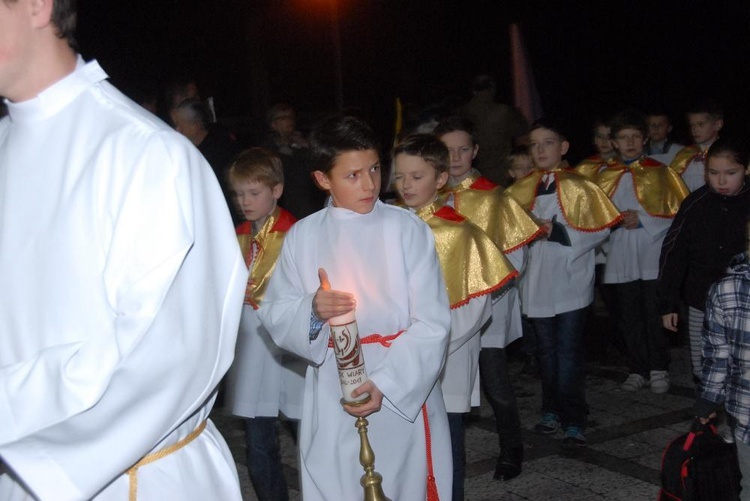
(352, 374)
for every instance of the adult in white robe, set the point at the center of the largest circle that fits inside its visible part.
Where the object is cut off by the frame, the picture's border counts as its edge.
(386, 259)
(122, 285)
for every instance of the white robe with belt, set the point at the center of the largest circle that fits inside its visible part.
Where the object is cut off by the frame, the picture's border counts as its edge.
(121, 290)
(387, 259)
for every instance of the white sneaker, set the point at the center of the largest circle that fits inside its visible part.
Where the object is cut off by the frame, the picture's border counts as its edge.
(724, 430)
(634, 382)
(659, 381)
(726, 434)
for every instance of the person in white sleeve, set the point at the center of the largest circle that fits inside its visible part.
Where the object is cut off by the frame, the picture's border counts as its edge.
(122, 284)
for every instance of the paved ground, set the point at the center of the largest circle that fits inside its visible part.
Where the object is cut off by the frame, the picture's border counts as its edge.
(627, 433)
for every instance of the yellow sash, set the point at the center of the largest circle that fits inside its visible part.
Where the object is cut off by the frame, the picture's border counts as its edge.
(155, 456)
(269, 241)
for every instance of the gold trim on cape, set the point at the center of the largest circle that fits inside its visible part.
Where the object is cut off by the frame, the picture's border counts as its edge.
(472, 264)
(583, 204)
(684, 157)
(499, 215)
(659, 189)
(590, 166)
(269, 242)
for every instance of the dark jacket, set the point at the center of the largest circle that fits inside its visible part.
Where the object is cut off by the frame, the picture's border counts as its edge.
(707, 232)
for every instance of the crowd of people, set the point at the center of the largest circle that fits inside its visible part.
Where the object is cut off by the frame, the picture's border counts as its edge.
(644, 224)
(181, 260)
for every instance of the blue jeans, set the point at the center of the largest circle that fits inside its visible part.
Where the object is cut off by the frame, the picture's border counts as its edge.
(561, 366)
(456, 426)
(264, 459)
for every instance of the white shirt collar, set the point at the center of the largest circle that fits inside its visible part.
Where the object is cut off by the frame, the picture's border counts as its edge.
(56, 97)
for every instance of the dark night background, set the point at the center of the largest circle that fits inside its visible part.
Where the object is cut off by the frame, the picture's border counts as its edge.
(589, 57)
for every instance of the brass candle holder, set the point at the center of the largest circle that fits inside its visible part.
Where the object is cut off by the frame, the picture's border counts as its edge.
(352, 373)
(371, 481)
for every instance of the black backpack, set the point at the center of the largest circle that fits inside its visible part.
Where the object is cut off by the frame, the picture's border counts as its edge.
(700, 466)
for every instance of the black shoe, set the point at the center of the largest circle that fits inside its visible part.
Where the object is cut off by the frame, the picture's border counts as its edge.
(509, 463)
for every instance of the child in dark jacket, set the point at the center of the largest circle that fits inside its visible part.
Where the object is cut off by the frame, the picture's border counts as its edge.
(707, 232)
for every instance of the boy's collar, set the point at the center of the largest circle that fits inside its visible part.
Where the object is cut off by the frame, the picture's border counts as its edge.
(632, 160)
(473, 173)
(705, 146)
(561, 165)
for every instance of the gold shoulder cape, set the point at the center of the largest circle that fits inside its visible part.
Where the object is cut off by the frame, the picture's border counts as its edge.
(590, 166)
(659, 189)
(472, 264)
(684, 157)
(269, 240)
(508, 224)
(583, 204)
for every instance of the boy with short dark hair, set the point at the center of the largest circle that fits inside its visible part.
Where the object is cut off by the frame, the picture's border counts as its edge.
(520, 163)
(511, 228)
(659, 147)
(263, 379)
(648, 195)
(602, 141)
(558, 284)
(706, 120)
(382, 260)
(474, 270)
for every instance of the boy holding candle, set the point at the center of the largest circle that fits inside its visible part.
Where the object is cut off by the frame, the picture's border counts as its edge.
(381, 260)
(474, 270)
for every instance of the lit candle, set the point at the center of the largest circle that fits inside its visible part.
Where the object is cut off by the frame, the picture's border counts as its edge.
(349, 358)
